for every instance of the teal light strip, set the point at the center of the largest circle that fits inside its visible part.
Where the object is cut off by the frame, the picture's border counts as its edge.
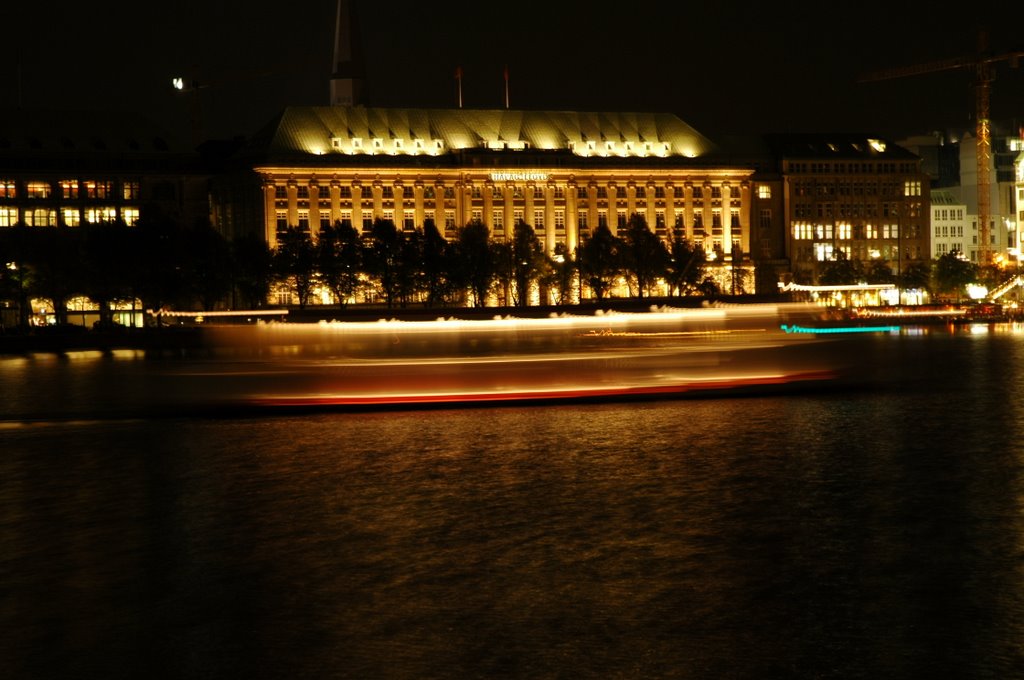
(847, 329)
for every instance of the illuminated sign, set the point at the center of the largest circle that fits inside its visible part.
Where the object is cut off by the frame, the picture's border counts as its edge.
(519, 177)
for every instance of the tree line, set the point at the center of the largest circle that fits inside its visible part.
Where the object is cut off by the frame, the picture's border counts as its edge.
(163, 265)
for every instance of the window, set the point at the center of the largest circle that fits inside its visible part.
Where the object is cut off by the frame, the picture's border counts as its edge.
(100, 215)
(98, 189)
(802, 231)
(408, 220)
(517, 216)
(130, 216)
(303, 191)
(911, 188)
(449, 219)
(41, 217)
(766, 218)
(8, 217)
(72, 217)
(581, 218)
(325, 219)
(37, 190)
(538, 219)
(621, 219)
(345, 191)
(7, 188)
(346, 218)
(498, 219)
(281, 220)
(559, 220)
(764, 191)
(304, 220)
(69, 188)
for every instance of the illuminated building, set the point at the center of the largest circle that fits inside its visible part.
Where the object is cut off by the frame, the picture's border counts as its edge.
(562, 173)
(865, 198)
(74, 168)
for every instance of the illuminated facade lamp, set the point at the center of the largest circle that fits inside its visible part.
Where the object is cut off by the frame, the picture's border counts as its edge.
(976, 291)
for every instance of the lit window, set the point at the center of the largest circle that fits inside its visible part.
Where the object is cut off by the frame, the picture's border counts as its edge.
(71, 217)
(498, 219)
(37, 190)
(7, 188)
(98, 189)
(8, 217)
(130, 191)
(41, 217)
(130, 216)
(538, 219)
(325, 219)
(69, 188)
(764, 191)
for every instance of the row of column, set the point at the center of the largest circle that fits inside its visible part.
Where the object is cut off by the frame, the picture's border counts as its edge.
(463, 203)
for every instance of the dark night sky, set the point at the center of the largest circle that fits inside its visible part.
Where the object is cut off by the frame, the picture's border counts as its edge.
(258, 57)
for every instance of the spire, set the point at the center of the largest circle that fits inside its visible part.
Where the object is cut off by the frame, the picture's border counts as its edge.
(347, 79)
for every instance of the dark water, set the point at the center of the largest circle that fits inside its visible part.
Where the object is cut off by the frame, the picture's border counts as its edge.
(864, 533)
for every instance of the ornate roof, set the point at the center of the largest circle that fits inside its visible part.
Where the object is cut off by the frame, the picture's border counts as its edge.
(363, 131)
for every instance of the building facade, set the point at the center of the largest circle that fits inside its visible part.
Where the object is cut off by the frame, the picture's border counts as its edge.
(74, 168)
(953, 229)
(851, 196)
(561, 173)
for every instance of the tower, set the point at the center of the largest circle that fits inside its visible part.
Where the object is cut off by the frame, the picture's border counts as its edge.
(347, 78)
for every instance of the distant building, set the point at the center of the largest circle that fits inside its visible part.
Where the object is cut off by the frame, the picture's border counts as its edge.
(862, 197)
(953, 229)
(72, 168)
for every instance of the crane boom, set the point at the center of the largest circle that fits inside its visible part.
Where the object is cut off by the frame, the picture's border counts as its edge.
(981, 63)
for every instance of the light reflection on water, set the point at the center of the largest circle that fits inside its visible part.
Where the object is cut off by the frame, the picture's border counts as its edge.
(863, 534)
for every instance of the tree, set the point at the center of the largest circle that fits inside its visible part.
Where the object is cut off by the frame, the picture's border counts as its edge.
(339, 260)
(106, 256)
(879, 271)
(953, 273)
(600, 260)
(382, 258)
(59, 272)
(840, 271)
(294, 262)
(475, 263)
(437, 264)
(253, 270)
(685, 267)
(644, 256)
(157, 276)
(527, 259)
(17, 271)
(208, 265)
(563, 273)
(916, 276)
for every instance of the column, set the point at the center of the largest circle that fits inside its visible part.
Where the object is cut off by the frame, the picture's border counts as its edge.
(270, 211)
(314, 209)
(572, 226)
(613, 208)
(357, 205)
(549, 219)
(293, 203)
(510, 212)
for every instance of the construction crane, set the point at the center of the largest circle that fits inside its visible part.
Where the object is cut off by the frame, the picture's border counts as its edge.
(981, 63)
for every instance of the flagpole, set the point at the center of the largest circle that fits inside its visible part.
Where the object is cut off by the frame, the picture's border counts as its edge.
(506, 86)
(458, 77)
